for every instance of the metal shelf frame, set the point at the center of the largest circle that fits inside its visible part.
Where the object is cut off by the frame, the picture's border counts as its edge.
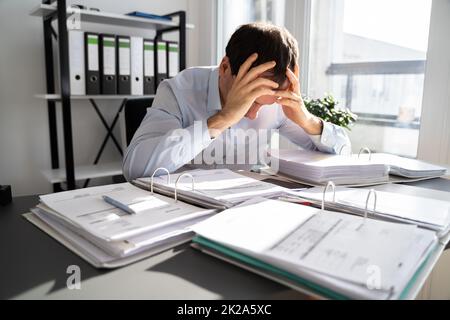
(64, 97)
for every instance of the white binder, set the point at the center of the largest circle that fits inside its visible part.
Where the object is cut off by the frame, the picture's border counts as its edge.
(174, 65)
(76, 62)
(137, 66)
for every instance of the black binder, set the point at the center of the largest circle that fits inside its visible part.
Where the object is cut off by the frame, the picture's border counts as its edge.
(108, 63)
(123, 65)
(92, 64)
(149, 67)
(161, 55)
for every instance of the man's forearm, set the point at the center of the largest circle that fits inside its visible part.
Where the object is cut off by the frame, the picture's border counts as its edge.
(312, 125)
(217, 124)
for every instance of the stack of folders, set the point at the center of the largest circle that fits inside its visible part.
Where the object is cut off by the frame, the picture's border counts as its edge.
(217, 188)
(115, 64)
(320, 252)
(110, 236)
(405, 167)
(316, 168)
(432, 214)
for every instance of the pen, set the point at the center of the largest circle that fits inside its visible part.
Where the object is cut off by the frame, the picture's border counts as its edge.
(118, 204)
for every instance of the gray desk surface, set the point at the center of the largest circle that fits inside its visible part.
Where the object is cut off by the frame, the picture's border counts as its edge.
(34, 267)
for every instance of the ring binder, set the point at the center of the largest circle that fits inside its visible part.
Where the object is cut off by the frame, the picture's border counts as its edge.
(179, 178)
(365, 149)
(343, 147)
(333, 186)
(153, 175)
(371, 191)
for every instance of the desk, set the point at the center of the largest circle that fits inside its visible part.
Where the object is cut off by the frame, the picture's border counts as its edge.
(34, 267)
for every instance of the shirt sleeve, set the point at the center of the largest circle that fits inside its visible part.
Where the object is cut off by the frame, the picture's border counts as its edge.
(332, 140)
(161, 140)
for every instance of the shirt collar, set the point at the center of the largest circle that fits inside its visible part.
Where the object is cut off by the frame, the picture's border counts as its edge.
(213, 103)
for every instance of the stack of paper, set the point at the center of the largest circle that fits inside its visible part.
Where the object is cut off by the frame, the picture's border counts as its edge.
(219, 188)
(319, 168)
(323, 252)
(107, 236)
(426, 212)
(405, 167)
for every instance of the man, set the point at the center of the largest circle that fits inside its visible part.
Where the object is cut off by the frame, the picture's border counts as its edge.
(255, 88)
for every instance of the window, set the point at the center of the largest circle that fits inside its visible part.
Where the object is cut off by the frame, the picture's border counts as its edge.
(371, 55)
(233, 13)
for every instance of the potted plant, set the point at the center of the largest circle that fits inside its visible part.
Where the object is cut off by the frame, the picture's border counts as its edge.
(325, 108)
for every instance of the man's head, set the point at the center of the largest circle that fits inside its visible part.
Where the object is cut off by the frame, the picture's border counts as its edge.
(272, 43)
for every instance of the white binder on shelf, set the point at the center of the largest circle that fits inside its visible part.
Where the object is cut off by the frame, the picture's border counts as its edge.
(76, 62)
(174, 64)
(137, 66)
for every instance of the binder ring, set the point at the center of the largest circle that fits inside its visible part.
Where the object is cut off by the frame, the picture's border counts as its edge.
(178, 179)
(343, 147)
(333, 187)
(153, 175)
(372, 191)
(365, 149)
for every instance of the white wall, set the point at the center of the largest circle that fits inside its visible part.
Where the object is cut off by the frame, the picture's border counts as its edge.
(24, 136)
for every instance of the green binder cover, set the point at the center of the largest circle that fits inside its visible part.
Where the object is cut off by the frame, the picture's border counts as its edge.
(258, 264)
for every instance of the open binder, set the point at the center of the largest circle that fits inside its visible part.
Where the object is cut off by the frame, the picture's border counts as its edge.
(316, 168)
(322, 252)
(425, 212)
(215, 188)
(108, 237)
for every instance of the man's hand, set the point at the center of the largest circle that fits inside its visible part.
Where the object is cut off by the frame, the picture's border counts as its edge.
(294, 108)
(246, 88)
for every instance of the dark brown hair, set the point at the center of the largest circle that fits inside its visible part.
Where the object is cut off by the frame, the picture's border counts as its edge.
(269, 41)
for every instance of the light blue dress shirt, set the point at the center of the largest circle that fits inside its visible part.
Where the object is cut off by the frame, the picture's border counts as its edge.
(174, 130)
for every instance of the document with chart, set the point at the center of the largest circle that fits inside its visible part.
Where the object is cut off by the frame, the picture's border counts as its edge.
(335, 254)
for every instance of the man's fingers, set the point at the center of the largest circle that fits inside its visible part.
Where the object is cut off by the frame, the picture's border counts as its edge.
(246, 66)
(261, 82)
(288, 102)
(293, 80)
(262, 92)
(289, 95)
(255, 72)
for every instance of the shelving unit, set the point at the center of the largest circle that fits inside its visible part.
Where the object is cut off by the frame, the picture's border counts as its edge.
(57, 97)
(56, 10)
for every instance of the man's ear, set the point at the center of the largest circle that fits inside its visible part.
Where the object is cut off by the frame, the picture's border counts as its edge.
(224, 67)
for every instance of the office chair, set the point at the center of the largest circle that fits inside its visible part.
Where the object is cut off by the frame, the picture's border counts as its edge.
(134, 112)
